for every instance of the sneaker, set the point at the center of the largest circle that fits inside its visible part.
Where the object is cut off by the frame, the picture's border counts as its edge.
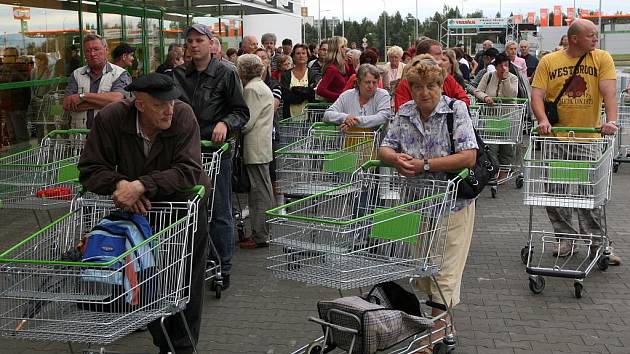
(564, 249)
(250, 244)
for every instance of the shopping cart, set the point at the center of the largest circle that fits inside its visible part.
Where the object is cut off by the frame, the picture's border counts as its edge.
(622, 153)
(571, 170)
(292, 129)
(211, 161)
(374, 229)
(326, 158)
(43, 177)
(501, 124)
(45, 296)
(48, 111)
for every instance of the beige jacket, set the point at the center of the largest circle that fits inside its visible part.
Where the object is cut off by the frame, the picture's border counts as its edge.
(494, 87)
(257, 132)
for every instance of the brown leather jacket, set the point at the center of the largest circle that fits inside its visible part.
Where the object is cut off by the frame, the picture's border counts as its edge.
(114, 152)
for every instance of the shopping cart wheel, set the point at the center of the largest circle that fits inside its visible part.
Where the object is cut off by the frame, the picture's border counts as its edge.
(526, 254)
(603, 262)
(314, 348)
(577, 286)
(537, 284)
(493, 190)
(616, 167)
(217, 291)
(440, 348)
(519, 182)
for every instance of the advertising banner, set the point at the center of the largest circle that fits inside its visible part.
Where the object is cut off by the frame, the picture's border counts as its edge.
(531, 17)
(544, 17)
(557, 15)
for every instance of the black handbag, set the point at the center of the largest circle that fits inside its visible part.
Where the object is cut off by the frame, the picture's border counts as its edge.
(551, 108)
(483, 171)
(240, 178)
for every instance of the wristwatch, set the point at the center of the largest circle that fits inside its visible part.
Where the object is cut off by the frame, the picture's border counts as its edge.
(426, 166)
(82, 97)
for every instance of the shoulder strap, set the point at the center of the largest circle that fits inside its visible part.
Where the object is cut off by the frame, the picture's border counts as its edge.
(488, 79)
(449, 124)
(568, 82)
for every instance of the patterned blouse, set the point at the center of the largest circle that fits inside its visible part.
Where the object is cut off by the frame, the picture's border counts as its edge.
(408, 134)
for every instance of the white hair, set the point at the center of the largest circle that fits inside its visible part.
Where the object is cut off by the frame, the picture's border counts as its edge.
(395, 50)
(509, 43)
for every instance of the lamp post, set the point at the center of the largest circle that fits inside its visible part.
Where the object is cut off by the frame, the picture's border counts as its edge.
(343, 19)
(417, 20)
(384, 31)
(319, 21)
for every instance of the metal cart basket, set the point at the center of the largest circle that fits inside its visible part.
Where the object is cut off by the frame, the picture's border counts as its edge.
(42, 177)
(43, 296)
(292, 129)
(622, 153)
(572, 169)
(211, 154)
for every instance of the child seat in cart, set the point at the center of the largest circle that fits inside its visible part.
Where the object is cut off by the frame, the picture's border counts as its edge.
(48, 293)
(571, 169)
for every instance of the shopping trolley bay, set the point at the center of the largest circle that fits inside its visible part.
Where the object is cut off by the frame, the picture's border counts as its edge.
(267, 306)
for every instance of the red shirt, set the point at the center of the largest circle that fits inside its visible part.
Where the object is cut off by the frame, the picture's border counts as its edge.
(450, 88)
(333, 82)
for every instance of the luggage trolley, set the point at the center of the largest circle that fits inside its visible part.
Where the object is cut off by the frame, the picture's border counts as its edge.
(352, 236)
(43, 177)
(326, 158)
(622, 154)
(571, 170)
(501, 124)
(47, 294)
(292, 129)
(211, 161)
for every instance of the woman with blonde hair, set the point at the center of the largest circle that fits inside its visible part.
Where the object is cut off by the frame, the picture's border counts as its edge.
(336, 70)
(394, 67)
(418, 143)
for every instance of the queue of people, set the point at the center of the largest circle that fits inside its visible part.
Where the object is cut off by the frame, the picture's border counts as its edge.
(145, 139)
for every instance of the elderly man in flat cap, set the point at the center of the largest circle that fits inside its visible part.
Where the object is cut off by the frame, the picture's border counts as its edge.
(147, 149)
(214, 91)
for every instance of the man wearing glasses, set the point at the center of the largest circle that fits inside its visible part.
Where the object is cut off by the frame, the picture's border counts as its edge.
(95, 85)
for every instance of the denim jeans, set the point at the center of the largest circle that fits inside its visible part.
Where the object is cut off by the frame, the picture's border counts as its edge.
(222, 223)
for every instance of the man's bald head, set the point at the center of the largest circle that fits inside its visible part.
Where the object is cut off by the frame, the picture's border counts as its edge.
(580, 26)
(250, 44)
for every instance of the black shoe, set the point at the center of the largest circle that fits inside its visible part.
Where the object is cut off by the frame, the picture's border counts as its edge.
(226, 281)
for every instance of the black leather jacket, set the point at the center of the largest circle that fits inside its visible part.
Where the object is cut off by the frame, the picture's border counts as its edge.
(215, 95)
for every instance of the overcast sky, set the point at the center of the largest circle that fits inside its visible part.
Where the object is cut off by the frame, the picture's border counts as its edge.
(357, 9)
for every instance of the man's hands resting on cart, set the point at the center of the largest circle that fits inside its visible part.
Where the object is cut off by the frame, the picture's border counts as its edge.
(129, 196)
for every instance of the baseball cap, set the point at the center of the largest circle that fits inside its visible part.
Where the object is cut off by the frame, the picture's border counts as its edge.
(199, 28)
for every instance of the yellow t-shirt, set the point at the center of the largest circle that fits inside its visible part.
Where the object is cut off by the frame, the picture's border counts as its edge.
(580, 105)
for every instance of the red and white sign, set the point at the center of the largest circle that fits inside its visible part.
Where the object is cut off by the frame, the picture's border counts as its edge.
(518, 19)
(21, 13)
(531, 17)
(544, 17)
(557, 15)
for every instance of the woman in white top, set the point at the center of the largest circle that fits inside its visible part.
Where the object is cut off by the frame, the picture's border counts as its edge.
(298, 84)
(394, 67)
(365, 106)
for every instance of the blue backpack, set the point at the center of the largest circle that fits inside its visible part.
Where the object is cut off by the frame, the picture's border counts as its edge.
(114, 235)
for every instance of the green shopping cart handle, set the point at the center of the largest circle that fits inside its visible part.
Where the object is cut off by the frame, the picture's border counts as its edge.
(498, 99)
(217, 146)
(571, 129)
(379, 163)
(58, 132)
(318, 105)
(199, 189)
(335, 127)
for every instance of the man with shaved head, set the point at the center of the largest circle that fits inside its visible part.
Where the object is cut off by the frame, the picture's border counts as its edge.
(579, 106)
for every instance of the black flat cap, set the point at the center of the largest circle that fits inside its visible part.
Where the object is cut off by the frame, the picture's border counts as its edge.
(157, 85)
(491, 52)
(121, 49)
(199, 28)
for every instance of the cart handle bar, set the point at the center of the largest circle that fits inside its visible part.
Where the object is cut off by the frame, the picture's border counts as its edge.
(218, 146)
(324, 125)
(571, 129)
(378, 163)
(58, 132)
(198, 189)
(318, 105)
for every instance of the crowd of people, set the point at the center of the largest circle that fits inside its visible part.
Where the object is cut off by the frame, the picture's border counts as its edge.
(144, 145)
